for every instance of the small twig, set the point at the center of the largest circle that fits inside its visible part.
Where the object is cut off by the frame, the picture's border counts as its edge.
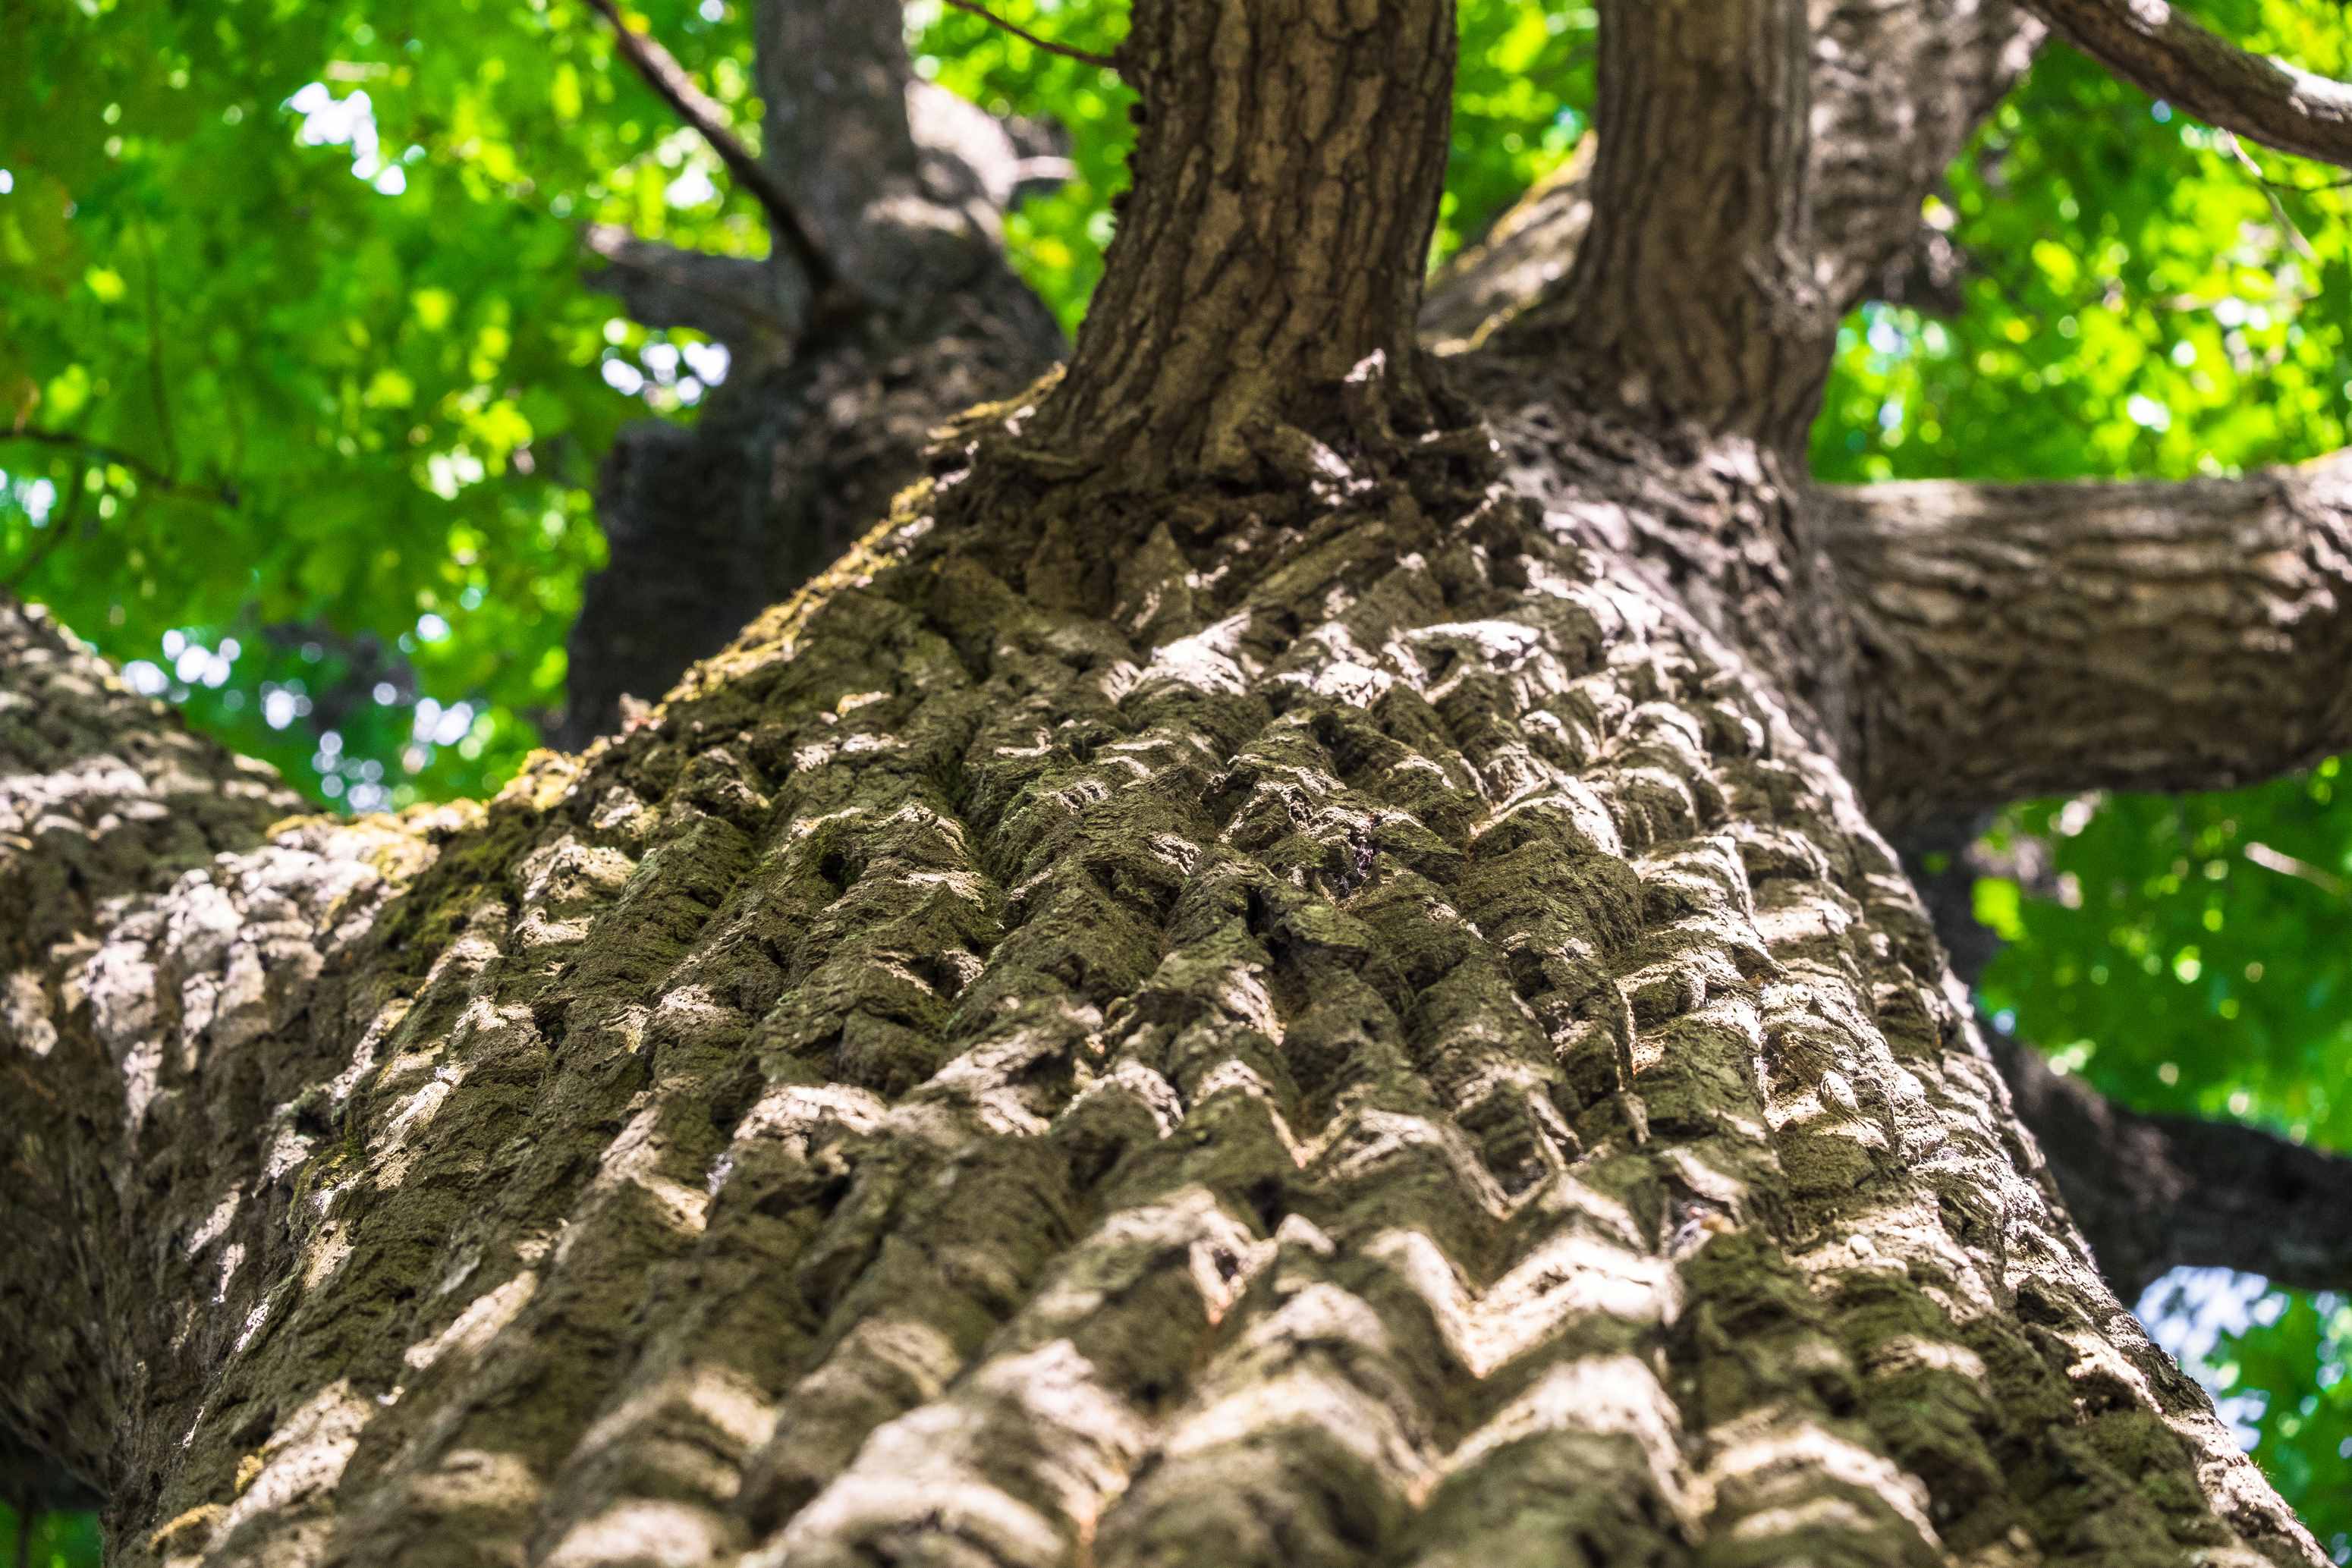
(146, 471)
(2270, 195)
(671, 83)
(1084, 56)
(2290, 186)
(2285, 864)
(2293, 189)
(156, 348)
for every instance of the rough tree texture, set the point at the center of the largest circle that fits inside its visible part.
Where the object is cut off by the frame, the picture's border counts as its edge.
(1361, 1021)
(2030, 639)
(802, 455)
(967, 1085)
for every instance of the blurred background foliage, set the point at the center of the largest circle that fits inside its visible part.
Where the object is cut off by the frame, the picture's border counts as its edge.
(301, 397)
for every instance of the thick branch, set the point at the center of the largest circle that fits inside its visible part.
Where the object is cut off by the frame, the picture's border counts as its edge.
(1523, 256)
(1896, 91)
(833, 76)
(2153, 1193)
(1528, 249)
(670, 81)
(732, 298)
(799, 453)
(2156, 48)
(101, 791)
(2038, 639)
(1692, 299)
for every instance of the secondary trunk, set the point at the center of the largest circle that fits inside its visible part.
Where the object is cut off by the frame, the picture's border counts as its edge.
(820, 421)
(1303, 1008)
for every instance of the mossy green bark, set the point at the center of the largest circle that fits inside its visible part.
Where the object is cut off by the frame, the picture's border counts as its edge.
(969, 1082)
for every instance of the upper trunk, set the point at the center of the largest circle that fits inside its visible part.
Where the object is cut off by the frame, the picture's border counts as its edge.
(1694, 300)
(1287, 175)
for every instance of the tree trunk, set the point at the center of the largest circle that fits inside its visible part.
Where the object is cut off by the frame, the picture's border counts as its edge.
(1231, 988)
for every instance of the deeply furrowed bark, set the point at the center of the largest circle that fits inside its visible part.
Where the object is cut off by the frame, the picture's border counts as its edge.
(971, 1081)
(1347, 1031)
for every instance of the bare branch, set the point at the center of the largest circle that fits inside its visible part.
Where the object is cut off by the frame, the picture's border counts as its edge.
(158, 384)
(731, 299)
(2159, 49)
(1084, 56)
(670, 81)
(2040, 639)
(223, 495)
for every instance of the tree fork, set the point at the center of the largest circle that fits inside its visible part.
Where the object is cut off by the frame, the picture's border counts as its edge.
(975, 1081)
